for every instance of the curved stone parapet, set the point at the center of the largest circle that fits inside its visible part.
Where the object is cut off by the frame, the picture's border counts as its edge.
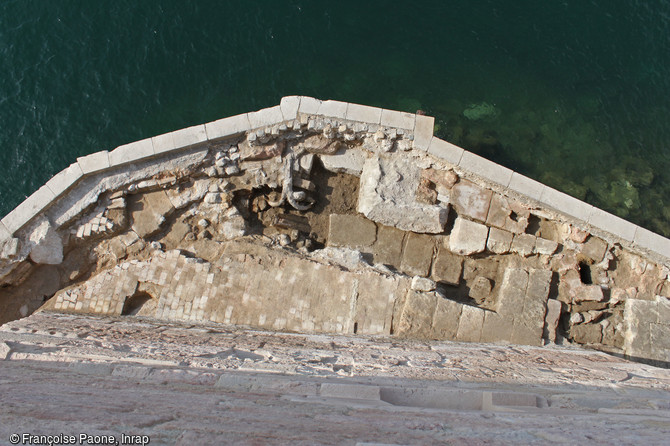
(455, 246)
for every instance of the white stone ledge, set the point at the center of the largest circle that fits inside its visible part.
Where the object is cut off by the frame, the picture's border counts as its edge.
(398, 119)
(526, 186)
(289, 107)
(445, 151)
(423, 131)
(4, 233)
(486, 168)
(333, 109)
(266, 117)
(133, 151)
(64, 179)
(189, 136)
(163, 143)
(364, 113)
(652, 241)
(95, 162)
(227, 127)
(309, 105)
(612, 224)
(28, 209)
(566, 204)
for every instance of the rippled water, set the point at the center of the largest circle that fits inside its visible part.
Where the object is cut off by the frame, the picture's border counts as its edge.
(574, 93)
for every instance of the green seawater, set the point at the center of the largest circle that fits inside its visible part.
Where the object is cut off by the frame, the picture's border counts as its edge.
(574, 93)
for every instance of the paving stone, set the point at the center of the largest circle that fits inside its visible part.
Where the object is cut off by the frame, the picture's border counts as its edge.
(388, 247)
(445, 151)
(423, 131)
(468, 237)
(471, 200)
(351, 231)
(594, 248)
(496, 328)
(227, 127)
(470, 324)
(523, 244)
(485, 168)
(499, 241)
(417, 254)
(446, 317)
(447, 267)
(364, 113)
(95, 162)
(129, 153)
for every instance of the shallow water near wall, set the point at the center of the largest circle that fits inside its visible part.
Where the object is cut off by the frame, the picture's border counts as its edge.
(572, 93)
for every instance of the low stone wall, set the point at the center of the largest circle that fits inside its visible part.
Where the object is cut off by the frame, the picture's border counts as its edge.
(399, 233)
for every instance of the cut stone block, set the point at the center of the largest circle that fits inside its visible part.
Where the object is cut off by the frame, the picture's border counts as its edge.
(612, 224)
(468, 237)
(46, 245)
(527, 334)
(496, 328)
(447, 267)
(62, 181)
(189, 137)
(512, 292)
(499, 241)
(485, 168)
(398, 120)
(4, 233)
(587, 333)
(470, 324)
(505, 213)
(423, 131)
(364, 113)
(95, 162)
(351, 231)
(388, 247)
(554, 309)
(594, 248)
(526, 186)
(422, 284)
(416, 318)
(266, 117)
(566, 204)
(523, 244)
(227, 127)
(163, 143)
(637, 340)
(445, 151)
(29, 208)
(309, 105)
(652, 241)
(417, 255)
(446, 317)
(387, 195)
(333, 109)
(289, 107)
(545, 247)
(134, 151)
(471, 200)
(345, 160)
(350, 391)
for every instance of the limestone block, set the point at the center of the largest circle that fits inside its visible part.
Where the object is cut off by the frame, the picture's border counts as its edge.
(62, 181)
(512, 292)
(95, 162)
(364, 113)
(28, 209)
(445, 151)
(387, 195)
(485, 168)
(231, 126)
(587, 333)
(508, 214)
(423, 131)
(289, 107)
(447, 267)
(496, 328)
(351, 230)
(148, 212)
(308, 105)
(468, 237)
(554, 309)
(387, 249)
(652, 241)
(471, 200)
(612, 224)
(189, 136)
(46, 246)
(417, 255)
(345, 160)
(545, 247)
(539, 281)
(416, 317)
(470, 324)
(266, 117)
(638, 315)
(499, 241)
(398, 120)
(594, 248)
(333, 109)
(526, 186)
(590, 293)
(523, 244)
(446, 317)
(350, 391)
(163, 143)
(566, 204)
(134, 151)
(190, 194)
(527, 334)
(422, 284)
(480, 288)
(4, 233)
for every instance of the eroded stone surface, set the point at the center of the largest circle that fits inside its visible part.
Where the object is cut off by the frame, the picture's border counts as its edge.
(468, 237)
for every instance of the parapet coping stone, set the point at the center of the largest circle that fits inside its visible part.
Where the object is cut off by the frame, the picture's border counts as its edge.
(290, 108)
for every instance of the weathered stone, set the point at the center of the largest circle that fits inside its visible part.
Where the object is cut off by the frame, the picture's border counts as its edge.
(578, 235)
(148, 212)
(417, 255)
(388, 247)
(447, 266)
(554, 308)
(351, 230)
(387, 195)
(544, 246)
(425, 193)
(416, 317)
(588, 293)
(468, 237)
(480, 288)
(587, 333)
(320, 145)
(422, 284)
(471, 200)
(523, 244)
(505, 213)
(470, 324)
(9, 248)
(46, 246)
(445, 319)
(499, 241)
(496, 328)
(594, 248)
(344, 160)
(443, 180)
(190, 194)
(260, 152)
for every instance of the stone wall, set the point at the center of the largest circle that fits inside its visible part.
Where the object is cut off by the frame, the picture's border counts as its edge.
(351, 219)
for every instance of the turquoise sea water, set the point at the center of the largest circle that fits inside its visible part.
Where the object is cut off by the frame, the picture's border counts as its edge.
(575, 93)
